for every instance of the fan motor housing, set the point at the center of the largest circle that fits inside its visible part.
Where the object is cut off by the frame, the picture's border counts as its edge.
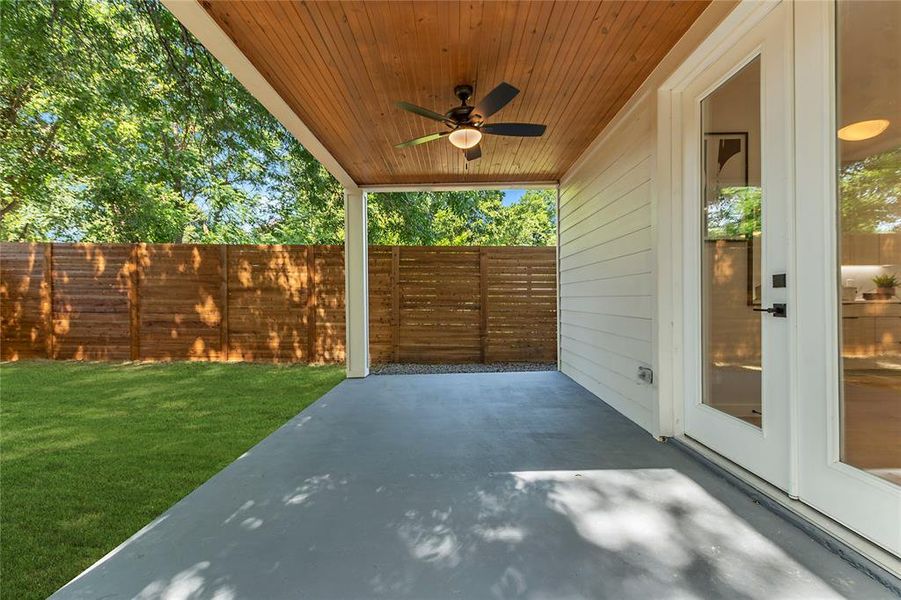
(460, 114)
(463, 92)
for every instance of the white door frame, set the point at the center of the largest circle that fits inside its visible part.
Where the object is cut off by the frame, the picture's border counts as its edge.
(762, 450)
(670, 208)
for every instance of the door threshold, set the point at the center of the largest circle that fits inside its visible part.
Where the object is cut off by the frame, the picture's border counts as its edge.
(875, 561)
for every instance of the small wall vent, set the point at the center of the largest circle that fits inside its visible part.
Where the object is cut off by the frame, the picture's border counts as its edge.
(646, 374)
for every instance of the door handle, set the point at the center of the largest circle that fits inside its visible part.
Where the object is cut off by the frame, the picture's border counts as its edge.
(777, 310)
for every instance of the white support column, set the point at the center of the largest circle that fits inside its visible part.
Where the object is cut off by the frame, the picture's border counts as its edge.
(557, 267)
(356, 283)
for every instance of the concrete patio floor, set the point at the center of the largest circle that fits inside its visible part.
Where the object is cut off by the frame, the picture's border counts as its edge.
(501, 485)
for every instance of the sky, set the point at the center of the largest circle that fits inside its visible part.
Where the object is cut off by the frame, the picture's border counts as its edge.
(511, 196)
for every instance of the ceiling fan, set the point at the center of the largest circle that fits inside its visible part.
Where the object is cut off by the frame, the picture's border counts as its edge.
(467, 124)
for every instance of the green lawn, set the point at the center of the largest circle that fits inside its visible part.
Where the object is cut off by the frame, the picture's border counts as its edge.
(90, 453)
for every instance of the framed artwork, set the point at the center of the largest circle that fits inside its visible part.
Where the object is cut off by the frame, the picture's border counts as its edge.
(725, 162)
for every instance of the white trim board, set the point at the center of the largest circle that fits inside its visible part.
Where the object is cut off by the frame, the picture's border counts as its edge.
(192, 15)
(456, 187)
(557, 259)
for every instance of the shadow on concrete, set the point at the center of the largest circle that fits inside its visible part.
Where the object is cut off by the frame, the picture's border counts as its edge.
(518, 485)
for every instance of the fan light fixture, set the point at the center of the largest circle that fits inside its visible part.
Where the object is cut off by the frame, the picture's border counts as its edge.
(466, 124)
(862, 130)
(465, 137)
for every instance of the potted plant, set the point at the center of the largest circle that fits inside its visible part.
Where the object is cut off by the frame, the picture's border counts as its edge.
(886, 284)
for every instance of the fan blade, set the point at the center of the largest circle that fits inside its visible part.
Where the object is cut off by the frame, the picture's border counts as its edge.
(495, 100)
(422, 112)
(422, 140)
(514, 129)
(473, 153)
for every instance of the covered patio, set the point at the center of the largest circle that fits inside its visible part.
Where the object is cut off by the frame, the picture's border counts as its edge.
(540, 485)
(519, 485)
(373, 89)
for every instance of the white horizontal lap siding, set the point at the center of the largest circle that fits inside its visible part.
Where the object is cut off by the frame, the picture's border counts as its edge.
(607, 280)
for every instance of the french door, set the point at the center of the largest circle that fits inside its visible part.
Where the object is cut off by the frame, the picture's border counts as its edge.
(848, 190)
(736, 123)
(791, 256)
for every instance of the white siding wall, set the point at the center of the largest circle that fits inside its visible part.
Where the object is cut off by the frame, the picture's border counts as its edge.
(607, 267)
(607, 253)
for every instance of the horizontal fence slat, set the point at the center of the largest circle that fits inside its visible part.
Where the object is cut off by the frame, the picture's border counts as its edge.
(274, 303)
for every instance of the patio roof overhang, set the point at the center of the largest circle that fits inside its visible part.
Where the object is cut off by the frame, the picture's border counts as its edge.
(332, 71)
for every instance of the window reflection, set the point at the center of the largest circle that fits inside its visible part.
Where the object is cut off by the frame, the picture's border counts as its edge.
(731, 245)
(869, 187)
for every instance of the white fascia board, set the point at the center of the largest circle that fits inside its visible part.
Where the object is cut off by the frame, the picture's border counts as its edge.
(193, 16)
(456, 187)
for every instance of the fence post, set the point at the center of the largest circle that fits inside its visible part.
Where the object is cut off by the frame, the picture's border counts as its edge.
(395, 302)
(310, 253)
(223, 301)
(483, 302)
(134, 302)
(47, 298)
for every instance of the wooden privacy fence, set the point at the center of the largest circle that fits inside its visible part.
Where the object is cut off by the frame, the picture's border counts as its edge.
(273, 303)
(462, 304)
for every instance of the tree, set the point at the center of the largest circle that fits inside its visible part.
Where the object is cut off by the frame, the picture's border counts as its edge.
(467, 218)
(532, 221)
(116, 125)
(735, 214)
(871, 193)
(869, 200)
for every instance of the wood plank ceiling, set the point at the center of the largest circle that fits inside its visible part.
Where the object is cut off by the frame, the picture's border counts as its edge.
(342, 65)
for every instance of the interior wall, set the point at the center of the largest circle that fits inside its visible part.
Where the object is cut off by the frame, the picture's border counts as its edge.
(607, 276)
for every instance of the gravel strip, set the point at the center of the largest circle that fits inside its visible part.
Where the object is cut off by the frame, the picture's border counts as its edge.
(417, 369)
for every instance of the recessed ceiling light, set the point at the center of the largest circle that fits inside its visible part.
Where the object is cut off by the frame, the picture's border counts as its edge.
(465, 137)
(862, 130)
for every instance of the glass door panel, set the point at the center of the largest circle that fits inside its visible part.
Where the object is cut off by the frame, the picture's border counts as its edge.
(868, 100)
(848, 182)
(732, 237)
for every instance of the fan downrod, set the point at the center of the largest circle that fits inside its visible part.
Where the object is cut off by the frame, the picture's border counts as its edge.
(460, 114)
(463, 92)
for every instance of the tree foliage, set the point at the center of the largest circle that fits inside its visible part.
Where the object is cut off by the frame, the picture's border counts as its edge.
(735, 214)
(116, 125)
(462, 218)
(869, 200)
(871, 193)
